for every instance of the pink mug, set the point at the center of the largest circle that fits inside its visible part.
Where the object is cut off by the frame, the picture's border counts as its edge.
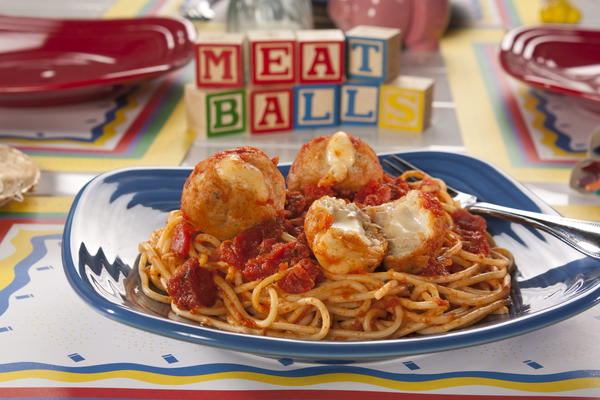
(422, 21)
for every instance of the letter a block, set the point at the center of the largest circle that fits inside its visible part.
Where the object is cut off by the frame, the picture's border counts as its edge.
(272, 57)
(359, 103)
(218, 60)
(215, 112)
(405, 103)
(373, 53)
(316, 106)
(321, 55)
(271, 110)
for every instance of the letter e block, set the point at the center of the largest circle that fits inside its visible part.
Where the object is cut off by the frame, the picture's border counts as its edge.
(271, 110)
(213, 112)
(321, 55)
(359, 103)
(405, 103)
(272, 57)
(373, 53)
(218, 59)
(316, 106)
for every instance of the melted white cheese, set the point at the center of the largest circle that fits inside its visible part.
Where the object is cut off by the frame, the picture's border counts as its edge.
(341, 155)
(346, 217)
(236, 172)
(405, 222)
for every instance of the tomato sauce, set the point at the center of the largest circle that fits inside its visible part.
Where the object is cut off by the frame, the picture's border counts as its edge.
(192, 286)
(472, 228)
(375, 193)
(182, 238)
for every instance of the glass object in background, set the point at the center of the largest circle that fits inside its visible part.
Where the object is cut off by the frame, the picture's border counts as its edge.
(245, 15)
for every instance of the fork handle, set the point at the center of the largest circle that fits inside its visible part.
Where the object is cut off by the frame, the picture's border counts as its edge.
(583, 236)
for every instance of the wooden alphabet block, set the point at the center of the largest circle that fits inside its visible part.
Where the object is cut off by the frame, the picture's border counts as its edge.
(219, 61)
(213, 112)
(272, 57)
(359, 103)
(321, 54)
(373, 53)
(405, 103)
(316, 106)
(271, 109)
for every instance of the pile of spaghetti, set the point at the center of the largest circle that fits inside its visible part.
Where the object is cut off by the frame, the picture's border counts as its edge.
(269, 278)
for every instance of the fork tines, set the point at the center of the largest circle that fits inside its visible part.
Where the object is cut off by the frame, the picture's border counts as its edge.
(400, 165)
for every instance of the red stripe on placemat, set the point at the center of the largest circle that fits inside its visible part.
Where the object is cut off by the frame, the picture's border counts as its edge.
(109, 393)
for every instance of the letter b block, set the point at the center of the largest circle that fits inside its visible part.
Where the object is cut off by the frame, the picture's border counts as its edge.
(218, 60)
(321, 54)
(272, 57)
(215, 112)
(405, 103)
(358, 105)
(316, 106)
(373, 53)
(271, 110)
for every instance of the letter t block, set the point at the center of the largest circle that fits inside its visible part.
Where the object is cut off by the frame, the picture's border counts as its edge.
(405, 103)
(215, 112)
(321, 54)
(373, 53)
(272, 57)
(218, 60)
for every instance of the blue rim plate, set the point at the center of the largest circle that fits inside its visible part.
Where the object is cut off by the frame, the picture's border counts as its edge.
(118, 209)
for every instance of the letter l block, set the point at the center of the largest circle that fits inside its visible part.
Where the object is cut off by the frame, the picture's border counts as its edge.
(316, 106)
(359, 103)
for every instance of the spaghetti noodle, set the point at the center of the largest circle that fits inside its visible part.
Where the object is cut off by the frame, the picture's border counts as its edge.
(467, 279)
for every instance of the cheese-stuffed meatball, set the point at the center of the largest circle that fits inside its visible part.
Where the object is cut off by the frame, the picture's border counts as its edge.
(415, 228)
(232, 191)
(341, 161)
(342, 237)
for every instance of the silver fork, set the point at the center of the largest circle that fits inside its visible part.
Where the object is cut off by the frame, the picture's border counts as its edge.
(583, 236)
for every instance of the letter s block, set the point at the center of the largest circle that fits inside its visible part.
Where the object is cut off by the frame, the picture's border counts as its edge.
(272, 57)
(359, 103)
(213, 112)
(271, 110)
(373, 53)
(321, 54)
(218, 60)
(316, 106)
(405, 103)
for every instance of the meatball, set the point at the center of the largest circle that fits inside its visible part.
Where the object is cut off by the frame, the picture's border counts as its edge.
(232, 191)
(342, 237)
(341, 161)
(415, 228)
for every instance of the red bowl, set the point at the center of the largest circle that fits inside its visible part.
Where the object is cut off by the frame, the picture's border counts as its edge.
(52, 61)
(555, 57)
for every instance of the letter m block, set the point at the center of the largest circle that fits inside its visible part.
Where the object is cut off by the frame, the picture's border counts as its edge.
(373, 53)
(272, 57)
(219, 60)
(321, 55)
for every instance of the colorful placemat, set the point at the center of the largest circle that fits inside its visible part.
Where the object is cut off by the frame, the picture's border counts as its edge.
(533, 134)
(143, 126)
(56, 346)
